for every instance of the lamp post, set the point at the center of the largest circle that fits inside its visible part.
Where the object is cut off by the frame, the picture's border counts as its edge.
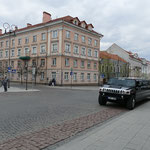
(10, 31)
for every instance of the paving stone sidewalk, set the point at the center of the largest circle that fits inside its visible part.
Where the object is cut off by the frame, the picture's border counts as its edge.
(16, 89)
(56, 133)
(130, 131)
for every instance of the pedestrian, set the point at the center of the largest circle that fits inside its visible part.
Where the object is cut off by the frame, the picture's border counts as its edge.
(53, 82)
(4, 83)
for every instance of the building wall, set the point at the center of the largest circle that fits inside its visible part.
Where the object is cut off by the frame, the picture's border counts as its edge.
(49, 55)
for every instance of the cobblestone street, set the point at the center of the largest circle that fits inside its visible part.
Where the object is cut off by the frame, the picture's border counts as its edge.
(35, 120)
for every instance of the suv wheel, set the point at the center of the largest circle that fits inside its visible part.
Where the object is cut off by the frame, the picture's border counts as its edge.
(101, 100)
(131, 103)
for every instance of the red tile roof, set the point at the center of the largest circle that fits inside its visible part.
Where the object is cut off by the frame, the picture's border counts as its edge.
(105, 55)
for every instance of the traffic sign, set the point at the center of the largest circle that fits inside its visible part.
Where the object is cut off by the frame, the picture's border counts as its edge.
(71, 73)
(13, 71)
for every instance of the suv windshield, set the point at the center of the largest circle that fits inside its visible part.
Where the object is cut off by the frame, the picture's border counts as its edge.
(122, 82)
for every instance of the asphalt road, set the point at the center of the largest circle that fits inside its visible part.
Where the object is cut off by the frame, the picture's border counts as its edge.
(22, 113)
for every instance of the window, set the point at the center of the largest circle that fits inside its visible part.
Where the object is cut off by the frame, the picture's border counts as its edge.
(89, 41)
(34, 38)
(42, 75)
(66, 76)
(43, 36)
(95, 77)
(54, 61)
(12, 64)
(26, 50)
(33, 63)
(83, 51)
(34, 50)
(76, 49)
(75, 63)
(19, 64)
(1, 64)
(54, 34)
(82, 63)
(75, 76)
(67, 48)
(1, 44)
(54, 47)
(13, 42)
(96, 43)
(6, 64)
(43, 49)
(82, 76)
(42, 62)
(19, 51)
(12, 53)
(54, 75)
(26, 40)
(67, 62)
(76, 37)
(67, 34)
(7, 43)
(1, 54)
(83, 39)
(89, 64)
(95, 65)
(19, 41)
(6, 53)
(89, 52)
(96, 54)
(88, 76)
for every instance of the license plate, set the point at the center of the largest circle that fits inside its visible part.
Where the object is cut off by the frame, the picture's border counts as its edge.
(112, 98)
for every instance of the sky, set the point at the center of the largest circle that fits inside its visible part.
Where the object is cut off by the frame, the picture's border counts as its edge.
(124, 22)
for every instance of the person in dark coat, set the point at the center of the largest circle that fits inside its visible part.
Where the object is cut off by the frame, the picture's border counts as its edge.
(53, 82)
(4, 83)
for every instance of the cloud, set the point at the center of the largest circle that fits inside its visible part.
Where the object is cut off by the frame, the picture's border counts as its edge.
(124, 22)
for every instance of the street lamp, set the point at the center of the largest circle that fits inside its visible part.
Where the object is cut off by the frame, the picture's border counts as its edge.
(11, 30)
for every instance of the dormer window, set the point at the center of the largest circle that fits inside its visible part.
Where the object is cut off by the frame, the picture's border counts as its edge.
(83, 25)
(76, 21)
(90, 27)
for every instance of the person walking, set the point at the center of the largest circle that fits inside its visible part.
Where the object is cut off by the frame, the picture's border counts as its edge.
(4, 83)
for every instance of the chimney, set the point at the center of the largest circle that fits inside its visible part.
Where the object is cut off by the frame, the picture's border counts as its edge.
(46, 17)
(0, 31)
(29, 24)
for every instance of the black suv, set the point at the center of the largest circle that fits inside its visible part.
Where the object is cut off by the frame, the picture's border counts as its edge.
(124, 90)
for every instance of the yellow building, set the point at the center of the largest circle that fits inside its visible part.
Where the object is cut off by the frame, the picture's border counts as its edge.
(52, 49)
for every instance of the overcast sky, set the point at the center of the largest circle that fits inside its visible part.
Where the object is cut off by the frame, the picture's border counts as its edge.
(124, 22)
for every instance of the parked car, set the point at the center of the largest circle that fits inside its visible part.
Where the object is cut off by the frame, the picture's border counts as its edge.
(124, 90)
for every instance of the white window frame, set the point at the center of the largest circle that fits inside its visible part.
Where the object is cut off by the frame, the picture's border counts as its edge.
(12, 53)
(83, 52)
(67, 47)
(67, 34)
(88, 64)
(66, 76)
(34, 38)
(19, 41)
(1, 54)
(43, 36)
(42, 75)
(13, 42)
(6, 53)
(88, 76)
(89, 52)
(26, 50)
(54, 61)
(76, 49)
(26, 40)
(96, 42)
(76, 36)
(54, 47)
(41, 49)
(66, 62)
(90, 41)
(75, 76)
(83, 39)
(82, 64)
(82, 76)
(95, 65)
(96, 53)
(34, 50)
(54, 75)
(54, 34)
(95, 77)
(75, 63)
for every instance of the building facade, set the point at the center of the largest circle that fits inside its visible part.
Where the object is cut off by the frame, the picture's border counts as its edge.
(112, 66)
(66, 49)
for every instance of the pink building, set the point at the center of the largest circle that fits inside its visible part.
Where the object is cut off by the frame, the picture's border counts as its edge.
(54, 49)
